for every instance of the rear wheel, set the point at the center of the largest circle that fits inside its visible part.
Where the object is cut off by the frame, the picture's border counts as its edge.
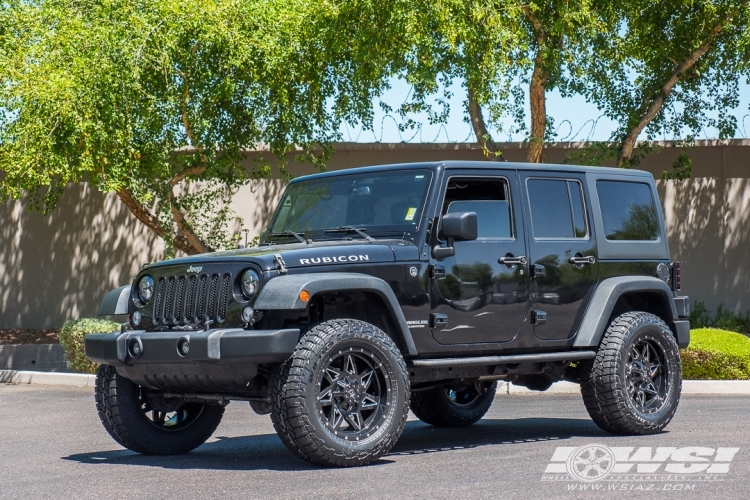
(633, 385)
(146, 423)
(454, 405)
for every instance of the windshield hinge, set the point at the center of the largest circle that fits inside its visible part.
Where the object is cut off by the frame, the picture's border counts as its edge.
(280, 265)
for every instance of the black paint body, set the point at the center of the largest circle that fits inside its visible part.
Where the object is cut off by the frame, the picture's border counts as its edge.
(489, 306)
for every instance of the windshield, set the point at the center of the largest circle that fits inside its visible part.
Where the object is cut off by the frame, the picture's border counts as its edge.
(380, 203)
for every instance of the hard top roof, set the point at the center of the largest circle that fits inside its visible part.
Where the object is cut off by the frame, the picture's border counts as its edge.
(475, 165)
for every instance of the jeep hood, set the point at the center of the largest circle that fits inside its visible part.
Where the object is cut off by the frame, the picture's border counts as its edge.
(298, 255)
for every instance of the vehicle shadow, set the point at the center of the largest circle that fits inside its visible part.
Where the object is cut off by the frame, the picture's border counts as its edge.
(266, 452)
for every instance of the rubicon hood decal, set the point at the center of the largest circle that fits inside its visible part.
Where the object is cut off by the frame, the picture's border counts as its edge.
(335, 259)
(332, 256)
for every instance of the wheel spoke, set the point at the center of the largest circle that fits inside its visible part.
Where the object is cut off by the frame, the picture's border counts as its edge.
(635, 354)
(654, 369)
(326, 396)
(367, 379)
(332, 374)
(368, 401)
(350, 365)
(336, 417)
(354, 419)
(646, 353)
(651, 389)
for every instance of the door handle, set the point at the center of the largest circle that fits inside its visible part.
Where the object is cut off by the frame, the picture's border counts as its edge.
(510, 260)
(580, 260)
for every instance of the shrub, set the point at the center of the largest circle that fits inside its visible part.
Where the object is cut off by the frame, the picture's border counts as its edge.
(716, 355)
(71, 338)
(724, 319)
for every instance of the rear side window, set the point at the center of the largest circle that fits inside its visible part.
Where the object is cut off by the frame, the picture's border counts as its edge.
(628, 211)
(557, 209)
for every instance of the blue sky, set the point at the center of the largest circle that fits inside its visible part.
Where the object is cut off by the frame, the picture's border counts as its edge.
(574, 118)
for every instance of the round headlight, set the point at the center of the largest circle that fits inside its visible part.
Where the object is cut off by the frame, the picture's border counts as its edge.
(145, 289)
(250, 284)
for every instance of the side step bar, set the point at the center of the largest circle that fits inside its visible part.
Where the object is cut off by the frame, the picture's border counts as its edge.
(502, 360)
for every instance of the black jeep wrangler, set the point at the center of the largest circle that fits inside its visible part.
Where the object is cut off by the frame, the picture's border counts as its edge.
(417, 286)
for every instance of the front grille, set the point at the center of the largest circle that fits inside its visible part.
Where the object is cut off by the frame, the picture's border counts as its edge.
(190, 300)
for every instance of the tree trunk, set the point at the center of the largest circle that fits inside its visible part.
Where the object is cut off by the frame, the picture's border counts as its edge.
(489, 148)
(537, 89)
(538, 106)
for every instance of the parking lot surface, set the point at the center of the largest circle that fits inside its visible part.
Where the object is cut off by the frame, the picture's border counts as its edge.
(53, 446)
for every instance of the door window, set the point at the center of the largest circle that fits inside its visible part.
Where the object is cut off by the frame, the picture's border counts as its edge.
(488, 198)
(557, 209)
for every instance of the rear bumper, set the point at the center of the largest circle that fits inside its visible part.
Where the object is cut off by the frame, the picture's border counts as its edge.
(682, 332)
(217, 346)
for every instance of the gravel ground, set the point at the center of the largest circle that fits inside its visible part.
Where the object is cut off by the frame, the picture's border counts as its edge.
(20, 336)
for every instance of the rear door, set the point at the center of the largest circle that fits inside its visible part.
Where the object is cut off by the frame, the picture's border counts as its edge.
(562, 251)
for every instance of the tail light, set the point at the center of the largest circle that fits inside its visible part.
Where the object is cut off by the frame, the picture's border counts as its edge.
(676, 284)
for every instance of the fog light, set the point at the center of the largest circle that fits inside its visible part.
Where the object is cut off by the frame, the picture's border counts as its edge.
(136, 318)
(183, 347)
(247, 314)
(135, 348)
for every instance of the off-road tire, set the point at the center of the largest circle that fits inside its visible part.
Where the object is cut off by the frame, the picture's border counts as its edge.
(120, 407)
(438, 407)
(609, 382)
(302, 408)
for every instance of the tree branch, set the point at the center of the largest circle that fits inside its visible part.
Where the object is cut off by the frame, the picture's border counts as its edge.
(489, 148)
(665, 91)
(146, 217)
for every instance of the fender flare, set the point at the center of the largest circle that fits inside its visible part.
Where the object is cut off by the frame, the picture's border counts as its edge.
(602, 303)
(282, 294)
(115, 302)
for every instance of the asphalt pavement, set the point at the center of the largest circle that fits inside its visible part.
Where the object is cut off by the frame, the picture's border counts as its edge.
(528, 446)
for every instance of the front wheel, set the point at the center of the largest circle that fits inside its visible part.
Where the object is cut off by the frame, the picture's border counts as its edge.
(343, 397)
(145, 423)
(633, 385)
(454, 405)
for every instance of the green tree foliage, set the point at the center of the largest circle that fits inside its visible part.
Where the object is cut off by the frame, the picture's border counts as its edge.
(160, 101)
(665, 67)
(497, 49)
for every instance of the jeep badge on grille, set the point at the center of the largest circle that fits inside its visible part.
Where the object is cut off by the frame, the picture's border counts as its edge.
(192, 269)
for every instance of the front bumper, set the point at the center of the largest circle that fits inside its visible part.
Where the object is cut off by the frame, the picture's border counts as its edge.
(218, 346)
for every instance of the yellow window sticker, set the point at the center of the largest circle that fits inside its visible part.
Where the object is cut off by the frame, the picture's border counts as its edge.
(410, 214)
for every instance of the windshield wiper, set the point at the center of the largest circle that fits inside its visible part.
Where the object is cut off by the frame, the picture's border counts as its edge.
(351, 229)
(299, 236)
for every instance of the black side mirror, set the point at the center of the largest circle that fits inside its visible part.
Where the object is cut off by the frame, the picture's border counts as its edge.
(461, 226)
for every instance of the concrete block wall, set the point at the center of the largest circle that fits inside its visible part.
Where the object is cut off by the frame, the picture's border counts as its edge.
(57, 267)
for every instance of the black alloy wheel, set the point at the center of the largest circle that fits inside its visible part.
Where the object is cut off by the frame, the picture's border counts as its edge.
(647, 376)
(166, 415)
(454, 405)
(343, 397)
(354, 392)
(633, 385)
(147, 423)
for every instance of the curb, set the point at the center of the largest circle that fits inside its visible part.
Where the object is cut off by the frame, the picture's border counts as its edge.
(46, 378)
(713, 387)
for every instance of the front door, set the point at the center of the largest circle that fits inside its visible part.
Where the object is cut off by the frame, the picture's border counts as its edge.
(562, 252)
(480, 295)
